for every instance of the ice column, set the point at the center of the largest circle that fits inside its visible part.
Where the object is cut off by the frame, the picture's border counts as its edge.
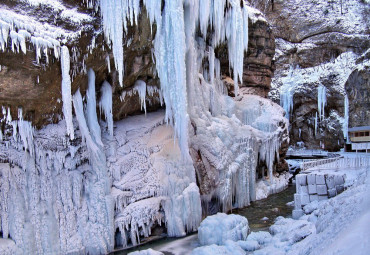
(287, 93)
(321, 100)
(140, 88)
(92, 119)
(66, 91)
(78, 105)
(346, 118)
(170, 51)
(105, 105)
(26, 132)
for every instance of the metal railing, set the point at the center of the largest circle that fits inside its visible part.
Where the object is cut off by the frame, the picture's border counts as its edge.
(336, 163)
(307, 153)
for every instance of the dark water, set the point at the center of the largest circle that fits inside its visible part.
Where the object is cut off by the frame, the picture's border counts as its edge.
(271, 207)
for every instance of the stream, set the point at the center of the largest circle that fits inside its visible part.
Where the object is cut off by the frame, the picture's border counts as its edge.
(271, 207)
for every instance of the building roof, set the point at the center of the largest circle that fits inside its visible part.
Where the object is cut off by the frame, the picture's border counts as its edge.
(355, 129)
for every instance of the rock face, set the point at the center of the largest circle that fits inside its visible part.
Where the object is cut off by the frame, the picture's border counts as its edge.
(258, 64)
(314, 43)
(38, 90)
(358, 91)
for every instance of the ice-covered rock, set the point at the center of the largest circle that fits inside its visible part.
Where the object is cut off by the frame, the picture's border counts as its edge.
(230, 248)
(146, 252)
(219, 228)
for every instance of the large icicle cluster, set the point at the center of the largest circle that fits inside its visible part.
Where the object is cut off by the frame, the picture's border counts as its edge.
(111, 187)
(170, 47)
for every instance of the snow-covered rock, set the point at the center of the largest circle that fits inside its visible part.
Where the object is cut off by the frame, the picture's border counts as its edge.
(146, 252)
(219, 228)
(230, 248)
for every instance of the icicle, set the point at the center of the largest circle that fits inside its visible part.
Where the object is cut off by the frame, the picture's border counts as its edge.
(346, 118)
(170, 51)
(321, 101)
(204, 13)
(211, 59)
(66, 91)
(26, 132)
(79, 111)
(140, 88)
(108, 62)
(316, 124)
(154, 9)
(8, 117)
(114, 15)
(218, 21)
(237, 43)
(105, 105)
(92, 119)
(287, 93)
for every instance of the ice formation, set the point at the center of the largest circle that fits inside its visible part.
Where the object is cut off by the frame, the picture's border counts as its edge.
(66, 90)
(105, 105)
(97, 188)
(219, 228)
(321, 101)
(91, 117)
(287, 92)
(346, 117)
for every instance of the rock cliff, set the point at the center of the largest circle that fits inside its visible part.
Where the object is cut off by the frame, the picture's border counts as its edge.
(318, 43)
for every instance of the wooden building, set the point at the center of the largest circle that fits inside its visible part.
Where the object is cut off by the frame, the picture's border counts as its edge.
(360, 138)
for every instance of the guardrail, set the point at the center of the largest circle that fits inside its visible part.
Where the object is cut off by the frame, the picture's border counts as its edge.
(307, 153)
(336, 163)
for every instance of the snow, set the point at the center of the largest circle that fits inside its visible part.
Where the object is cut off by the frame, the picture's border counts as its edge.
(146, 252)
(7, 246)
(265, 188)
(23, 29)
(66, 90)
(230, 248)
(219, 228)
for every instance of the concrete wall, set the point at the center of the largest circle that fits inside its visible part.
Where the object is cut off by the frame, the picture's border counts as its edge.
(315, 187)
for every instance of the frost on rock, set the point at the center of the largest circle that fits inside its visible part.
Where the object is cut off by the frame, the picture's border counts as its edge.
(23, 29)
(219, 228)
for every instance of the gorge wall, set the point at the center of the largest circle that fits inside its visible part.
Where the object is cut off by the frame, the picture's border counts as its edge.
(320, 45)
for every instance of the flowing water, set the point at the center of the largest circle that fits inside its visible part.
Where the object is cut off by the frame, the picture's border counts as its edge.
(260, 214)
